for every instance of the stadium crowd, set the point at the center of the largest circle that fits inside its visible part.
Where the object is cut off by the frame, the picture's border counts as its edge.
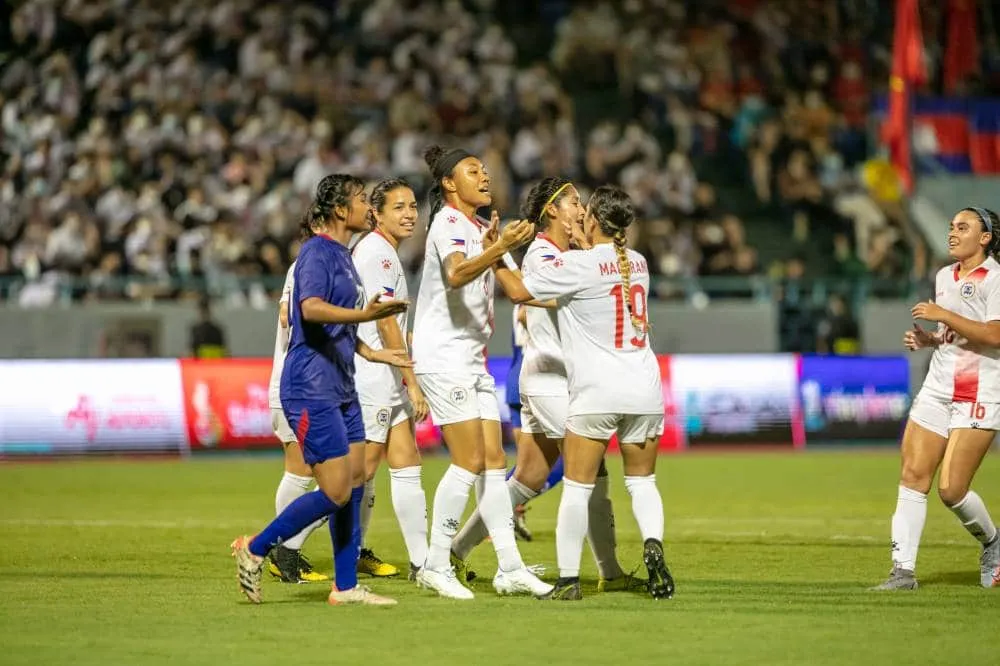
(153, 148)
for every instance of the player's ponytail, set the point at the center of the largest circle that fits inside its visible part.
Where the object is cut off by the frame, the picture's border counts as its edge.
(334, 190)
(442, 163)
(614, 212)
(549, 191)
(990, 224)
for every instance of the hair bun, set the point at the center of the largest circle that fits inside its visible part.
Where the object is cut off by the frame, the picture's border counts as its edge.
(433, 154)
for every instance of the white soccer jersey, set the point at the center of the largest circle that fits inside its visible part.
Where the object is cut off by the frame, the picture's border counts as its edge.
(280, 345)
(962, 371)
(543, 370)
(610, 367)
(452, 326)
(380, 271)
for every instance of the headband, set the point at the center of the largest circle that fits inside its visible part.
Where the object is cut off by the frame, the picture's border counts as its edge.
(984, 216)
(449, 161)
(553, 198)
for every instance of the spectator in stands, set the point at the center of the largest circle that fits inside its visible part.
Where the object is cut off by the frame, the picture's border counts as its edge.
(837, 331)
(207, 339)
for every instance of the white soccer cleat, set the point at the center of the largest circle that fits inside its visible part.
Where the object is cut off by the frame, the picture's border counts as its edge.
(445, 583)
(989, 563)
(520, 581)
(359, 594)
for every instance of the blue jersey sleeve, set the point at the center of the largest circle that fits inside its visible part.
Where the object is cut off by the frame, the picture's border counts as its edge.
(314, 279)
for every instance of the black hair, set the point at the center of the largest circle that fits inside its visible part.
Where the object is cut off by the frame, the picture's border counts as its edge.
(990, 223)
(442, 162)
(614, 212)
(378, 195)
(334, 190)
(540, 196)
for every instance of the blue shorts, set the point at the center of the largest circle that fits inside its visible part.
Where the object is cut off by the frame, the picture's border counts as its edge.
(515, 414)
(324, 430)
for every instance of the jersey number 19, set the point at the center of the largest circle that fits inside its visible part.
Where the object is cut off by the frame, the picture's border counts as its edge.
(637, 305)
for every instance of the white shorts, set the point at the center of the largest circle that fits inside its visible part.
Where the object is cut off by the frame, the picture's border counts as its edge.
(544, 415)
(631, 428)
(454, 398)
(279, 424)
(942, 416)
(380, 420)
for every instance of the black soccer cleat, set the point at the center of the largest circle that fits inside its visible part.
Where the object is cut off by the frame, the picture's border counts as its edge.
(566, 589)
(661, 583)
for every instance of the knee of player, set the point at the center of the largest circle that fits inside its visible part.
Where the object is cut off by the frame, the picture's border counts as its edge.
(340, 496)
(952, 494)
(915, 478)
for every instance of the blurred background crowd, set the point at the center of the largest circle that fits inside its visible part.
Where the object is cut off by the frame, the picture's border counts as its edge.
(156, 150)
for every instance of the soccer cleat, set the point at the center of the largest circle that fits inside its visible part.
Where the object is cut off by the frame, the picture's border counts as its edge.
(899, 579)
(306, 572)
(565, 589)
(989, 563)
(444, 583)
(359, 594)
(625, 583)
(462, 570)
(248, 568)
(660, 583)
(521, 530)
(520, 581)
(369, 563)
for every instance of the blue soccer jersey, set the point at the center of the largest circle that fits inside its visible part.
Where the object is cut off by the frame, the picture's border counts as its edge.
(320, 360)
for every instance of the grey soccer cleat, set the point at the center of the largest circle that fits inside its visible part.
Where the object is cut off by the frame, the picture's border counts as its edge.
(899, 579)
(989, 563)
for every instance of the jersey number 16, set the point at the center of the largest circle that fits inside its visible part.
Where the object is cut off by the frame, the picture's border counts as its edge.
(637, 304)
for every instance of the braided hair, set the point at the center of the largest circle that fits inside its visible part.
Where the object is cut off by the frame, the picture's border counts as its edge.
(442, 162)
(991, 224)
(550, 190)
(334, 190)
(614, 212)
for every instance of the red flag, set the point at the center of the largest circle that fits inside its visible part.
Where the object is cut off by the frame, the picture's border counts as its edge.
(907, 71)
(961, 56)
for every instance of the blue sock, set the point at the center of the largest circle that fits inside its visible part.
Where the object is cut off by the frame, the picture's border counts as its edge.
(555, 476)
(296, 517)
(345, 530)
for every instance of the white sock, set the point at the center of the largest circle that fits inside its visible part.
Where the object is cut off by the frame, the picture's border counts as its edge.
(449, 503)
(367, 506)
(907, 526)
(290, 488)
(498, 515)
(601, 531)
(571, 526)
(647, 505)
(410, 504)
(972, 512)
(474, 531)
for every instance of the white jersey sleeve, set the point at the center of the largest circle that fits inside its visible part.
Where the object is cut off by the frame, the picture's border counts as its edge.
(451, 327)
(610, 366)
(381, 272)
(543, 371)
(960, 370)
(281, 337)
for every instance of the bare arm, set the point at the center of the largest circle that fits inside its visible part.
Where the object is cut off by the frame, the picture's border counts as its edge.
(283, 314)
(977, 332)
(318, 311)
(392, 338)
(460, 270)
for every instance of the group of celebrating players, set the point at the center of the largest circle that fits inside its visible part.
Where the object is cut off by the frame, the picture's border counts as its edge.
(348, 383)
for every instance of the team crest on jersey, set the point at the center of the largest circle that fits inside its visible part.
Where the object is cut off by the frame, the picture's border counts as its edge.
(968, 289)
(382, 417)
(459, 396)
(452, 219)
(557, 263)
(386, 264)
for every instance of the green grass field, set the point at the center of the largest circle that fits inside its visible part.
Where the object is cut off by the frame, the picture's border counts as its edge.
(118, 562)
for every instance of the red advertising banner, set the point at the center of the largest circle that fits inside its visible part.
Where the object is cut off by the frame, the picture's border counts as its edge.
(225, 401)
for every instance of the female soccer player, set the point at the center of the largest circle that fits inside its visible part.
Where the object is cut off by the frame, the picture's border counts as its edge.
(955, 416)
(452, 325)
(614, 382)
(287, 563)
(317, 389)
(554, 205)
(390, 399)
